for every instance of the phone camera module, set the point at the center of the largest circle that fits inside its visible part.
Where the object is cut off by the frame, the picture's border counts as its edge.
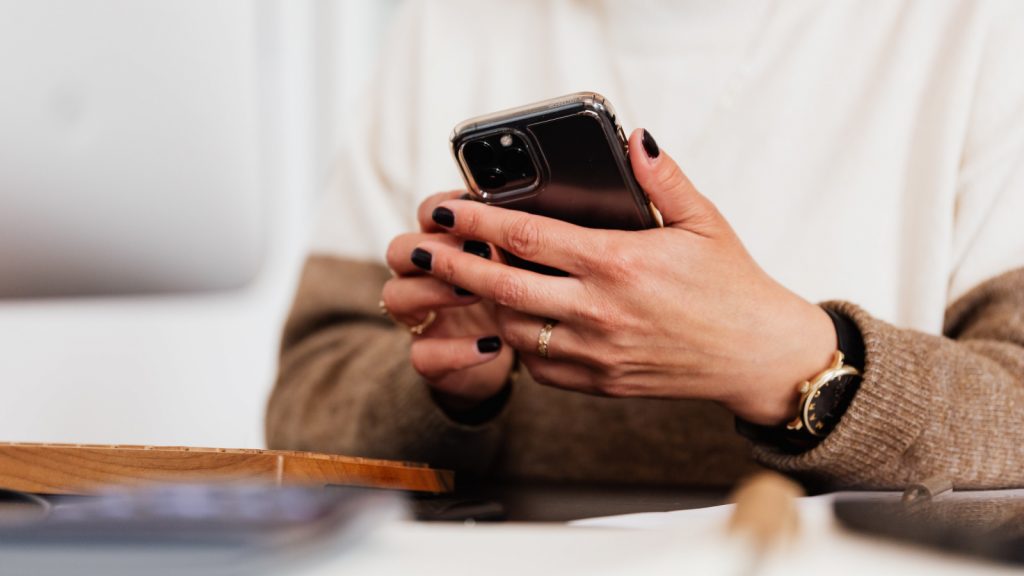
(516, 162)
(500, 162)
(493, 179)
(478, 153)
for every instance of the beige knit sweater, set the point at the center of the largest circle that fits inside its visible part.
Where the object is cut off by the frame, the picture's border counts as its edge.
(927, 405)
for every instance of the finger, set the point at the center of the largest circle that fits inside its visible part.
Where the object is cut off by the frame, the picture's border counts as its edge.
(409, 299)
(522, 290)
(540, 239)
(560, 374)
(679, 202)
(434, 358)
(401, 246)
(426, 209)
(522, 333)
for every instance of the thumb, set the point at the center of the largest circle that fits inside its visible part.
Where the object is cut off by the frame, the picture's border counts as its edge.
(670, 191)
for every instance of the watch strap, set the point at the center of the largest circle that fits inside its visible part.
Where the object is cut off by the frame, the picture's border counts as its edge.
(850, 342)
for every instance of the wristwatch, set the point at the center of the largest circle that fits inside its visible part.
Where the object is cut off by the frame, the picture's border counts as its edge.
(823, 399)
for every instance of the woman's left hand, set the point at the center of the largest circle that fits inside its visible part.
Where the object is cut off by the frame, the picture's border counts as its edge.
(676, 312)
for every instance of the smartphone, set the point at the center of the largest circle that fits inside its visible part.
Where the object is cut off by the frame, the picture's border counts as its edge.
(564, 158)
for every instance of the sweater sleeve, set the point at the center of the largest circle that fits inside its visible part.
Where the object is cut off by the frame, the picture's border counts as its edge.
(345, 384)
(928, 404)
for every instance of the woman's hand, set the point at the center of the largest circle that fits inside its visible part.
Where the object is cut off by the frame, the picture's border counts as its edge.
(459, 354)
(677, 312)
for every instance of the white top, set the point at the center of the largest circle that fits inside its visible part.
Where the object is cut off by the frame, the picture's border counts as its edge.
(864, 151)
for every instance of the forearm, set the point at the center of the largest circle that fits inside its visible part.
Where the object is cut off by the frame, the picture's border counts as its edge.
(345, 383)
(929, 405)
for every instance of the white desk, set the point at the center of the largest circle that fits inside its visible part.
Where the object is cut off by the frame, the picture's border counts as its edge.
(691, 543)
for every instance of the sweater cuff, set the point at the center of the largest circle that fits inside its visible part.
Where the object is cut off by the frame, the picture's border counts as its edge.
(885, 417)
(444, 442)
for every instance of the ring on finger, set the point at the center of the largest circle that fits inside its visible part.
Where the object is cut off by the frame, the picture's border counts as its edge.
(418, 329)
(544, 338)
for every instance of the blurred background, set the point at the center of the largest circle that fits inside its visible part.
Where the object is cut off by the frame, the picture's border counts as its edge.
(160, 162)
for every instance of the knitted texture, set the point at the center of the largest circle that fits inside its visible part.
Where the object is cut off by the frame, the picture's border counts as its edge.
(928, 404)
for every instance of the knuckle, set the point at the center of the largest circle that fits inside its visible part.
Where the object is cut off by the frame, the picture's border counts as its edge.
(611, 382)
(620, 261)
(420, 362)
(513, 338)
(612, 388)
(424, 210)
(387, 293)
(614, 326)
(540, 375)
(602, 318)
(669, 177)
(392, 255)
(522, 237)
(611, 358)
(443, 268)
(509, 290)
(468, 222)
(588, 312)
(608, 362)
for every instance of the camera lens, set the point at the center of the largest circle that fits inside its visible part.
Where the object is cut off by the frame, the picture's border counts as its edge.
(478, 153)
(516, 162)
(492, 179)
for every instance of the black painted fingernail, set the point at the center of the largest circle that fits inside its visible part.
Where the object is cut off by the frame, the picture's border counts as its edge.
(488, 344)
(460, 291)
(481, 249)
(422, 259)
(650, 146)
(443, 216)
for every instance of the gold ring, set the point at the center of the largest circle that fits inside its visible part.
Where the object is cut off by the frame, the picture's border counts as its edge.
(418, 329)
(545, 338)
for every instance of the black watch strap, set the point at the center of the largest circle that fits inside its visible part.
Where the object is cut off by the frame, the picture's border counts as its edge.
(851, 344)
(849, 339)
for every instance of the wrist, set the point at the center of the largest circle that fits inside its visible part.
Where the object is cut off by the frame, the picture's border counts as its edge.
(823, 399)
(804, 348)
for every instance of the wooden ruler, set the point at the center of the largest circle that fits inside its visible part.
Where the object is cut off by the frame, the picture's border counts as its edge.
(84, 468)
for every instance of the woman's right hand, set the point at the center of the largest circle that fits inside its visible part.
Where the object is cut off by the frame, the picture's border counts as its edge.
(459, 354)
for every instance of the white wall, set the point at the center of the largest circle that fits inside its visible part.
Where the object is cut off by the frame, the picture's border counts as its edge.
(196, 370)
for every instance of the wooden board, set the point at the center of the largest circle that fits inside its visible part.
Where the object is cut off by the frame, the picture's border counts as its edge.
(84, 468)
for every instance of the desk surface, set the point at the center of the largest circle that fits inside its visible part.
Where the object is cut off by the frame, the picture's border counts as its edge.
(695, 543)
(539, 502)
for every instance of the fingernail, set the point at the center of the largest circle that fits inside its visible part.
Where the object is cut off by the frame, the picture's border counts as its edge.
(650, 146)
(488, 344)
(443, 216)
(460, 291)
(481, 249)
(422, 259)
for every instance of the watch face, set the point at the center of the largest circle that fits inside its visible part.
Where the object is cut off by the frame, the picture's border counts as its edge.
(828, 404)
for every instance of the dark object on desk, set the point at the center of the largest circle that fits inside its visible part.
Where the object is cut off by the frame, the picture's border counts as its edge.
(448, 509)
(534, 501)
(85, 468)
(990, 528)
(207, 529)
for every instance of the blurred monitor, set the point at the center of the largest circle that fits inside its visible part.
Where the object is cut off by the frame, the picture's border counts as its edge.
(130, 155)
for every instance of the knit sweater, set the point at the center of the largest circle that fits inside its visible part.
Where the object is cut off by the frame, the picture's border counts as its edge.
(869, 155)
(928, 404)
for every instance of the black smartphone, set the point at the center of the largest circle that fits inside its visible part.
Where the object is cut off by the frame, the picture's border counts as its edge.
(565, 158)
